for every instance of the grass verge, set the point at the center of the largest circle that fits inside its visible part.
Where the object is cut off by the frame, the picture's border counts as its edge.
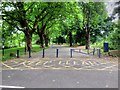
(35, 48)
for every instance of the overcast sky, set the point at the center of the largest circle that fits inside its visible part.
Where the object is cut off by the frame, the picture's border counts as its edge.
(110, 7)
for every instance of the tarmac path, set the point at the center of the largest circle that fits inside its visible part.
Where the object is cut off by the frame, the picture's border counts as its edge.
(81, 71)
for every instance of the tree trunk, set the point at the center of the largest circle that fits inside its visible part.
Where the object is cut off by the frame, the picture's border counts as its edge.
(28, 36)
(46, 40)
(88, 31)
(88, 39)
(70, 38)
(41, 40)
(19, 44)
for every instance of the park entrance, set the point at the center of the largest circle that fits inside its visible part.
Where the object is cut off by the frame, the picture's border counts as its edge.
(58, 51)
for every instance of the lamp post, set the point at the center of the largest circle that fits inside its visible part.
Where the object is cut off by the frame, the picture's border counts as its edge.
(3, 44)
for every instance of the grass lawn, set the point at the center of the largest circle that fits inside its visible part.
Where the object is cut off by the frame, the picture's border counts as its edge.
(35, 48)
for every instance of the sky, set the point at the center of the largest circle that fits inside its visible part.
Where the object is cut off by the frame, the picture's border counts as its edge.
(110, 7)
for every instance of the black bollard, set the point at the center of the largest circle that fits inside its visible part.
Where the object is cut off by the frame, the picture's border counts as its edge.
(43, 53)
(94, 51)
(99, 53)
(29, 53)
(56, 53)
(18, 54)
(3, 50)
(71, 52)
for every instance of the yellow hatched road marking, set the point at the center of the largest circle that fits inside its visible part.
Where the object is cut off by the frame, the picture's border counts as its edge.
(83, 62)
(86, 63)
(38, 63)
(27, 66)
(60, 62)
(74, 62)
(90, 63)
(45, 62)
(108, 67)
(30, 62)
(7, 65)
(67, 62)
(67, 66)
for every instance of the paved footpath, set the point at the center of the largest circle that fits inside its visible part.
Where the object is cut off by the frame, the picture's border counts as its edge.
(80, 71)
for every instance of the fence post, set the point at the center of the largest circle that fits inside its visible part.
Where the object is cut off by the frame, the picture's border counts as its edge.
(18, 54)
(56, 53)
(43, 53)
(71, 52)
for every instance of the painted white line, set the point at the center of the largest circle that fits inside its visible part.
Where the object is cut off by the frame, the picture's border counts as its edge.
(3, 86)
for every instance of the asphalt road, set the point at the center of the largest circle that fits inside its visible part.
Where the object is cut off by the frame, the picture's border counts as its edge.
(80, 71)
(60, 78)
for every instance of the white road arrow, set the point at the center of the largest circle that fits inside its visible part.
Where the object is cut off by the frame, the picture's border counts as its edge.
(4, 86)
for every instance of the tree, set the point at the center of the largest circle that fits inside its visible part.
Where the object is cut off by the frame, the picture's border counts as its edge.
(24, 17)
(92, 13)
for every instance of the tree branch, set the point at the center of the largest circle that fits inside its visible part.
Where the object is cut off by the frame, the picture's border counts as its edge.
(30, 6)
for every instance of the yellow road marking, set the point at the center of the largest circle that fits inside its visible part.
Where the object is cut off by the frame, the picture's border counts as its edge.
(56, 68)
(7, 66)
(67, 62)
(108, 67)
(83, 62)
(90, 63)
(38, 63)
(45, 62)
(66, 66)
(74, 62)
(60, 62)
(86, 63)
(30, 62)
(27, 66)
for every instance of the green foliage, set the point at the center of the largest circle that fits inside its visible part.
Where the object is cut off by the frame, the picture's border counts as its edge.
(113, 38)
(56, 20)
